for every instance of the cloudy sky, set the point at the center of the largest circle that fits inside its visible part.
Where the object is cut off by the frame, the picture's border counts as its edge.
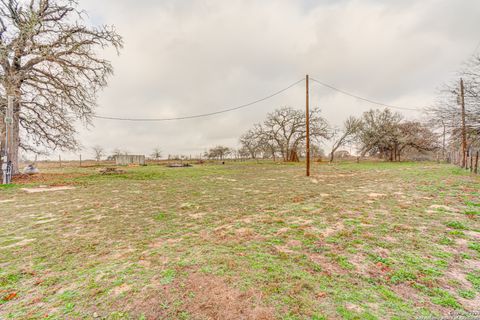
(185, 57)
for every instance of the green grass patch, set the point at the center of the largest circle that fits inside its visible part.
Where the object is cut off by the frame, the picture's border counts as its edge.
(402, 275)
(474, 278)
(456, 225)
(474, 246)
(467, 294)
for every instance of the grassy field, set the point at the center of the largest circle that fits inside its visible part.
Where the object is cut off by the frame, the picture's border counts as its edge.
(243, 241)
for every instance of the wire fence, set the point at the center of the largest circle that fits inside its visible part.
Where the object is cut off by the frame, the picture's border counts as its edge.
(468, 161)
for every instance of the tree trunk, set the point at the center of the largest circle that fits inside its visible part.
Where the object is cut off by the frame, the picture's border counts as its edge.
(332, 155)
(2, 143)
(16, 137)
(14, 131)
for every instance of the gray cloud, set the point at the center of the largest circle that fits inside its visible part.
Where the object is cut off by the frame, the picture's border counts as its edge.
(190, 57)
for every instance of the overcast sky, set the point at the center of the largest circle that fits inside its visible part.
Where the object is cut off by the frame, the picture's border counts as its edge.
(185, 57)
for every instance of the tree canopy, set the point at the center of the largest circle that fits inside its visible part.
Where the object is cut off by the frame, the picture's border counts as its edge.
(50, 65)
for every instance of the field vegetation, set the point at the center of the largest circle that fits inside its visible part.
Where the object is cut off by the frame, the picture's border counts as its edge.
(245, 240)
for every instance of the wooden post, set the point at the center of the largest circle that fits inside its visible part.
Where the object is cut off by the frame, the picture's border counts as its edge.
(476, 163)
(443, 142)
(471, 161)
(307, 114)
(464, 130)
(80, 160)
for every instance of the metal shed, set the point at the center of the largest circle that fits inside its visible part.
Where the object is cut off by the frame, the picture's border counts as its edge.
(125, 160)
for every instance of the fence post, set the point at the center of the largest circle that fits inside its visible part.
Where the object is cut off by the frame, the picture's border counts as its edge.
(476, 163)
(471, 161)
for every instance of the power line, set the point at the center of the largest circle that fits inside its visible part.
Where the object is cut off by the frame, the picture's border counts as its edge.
(476, 48)
(204, 114)
(364, 99)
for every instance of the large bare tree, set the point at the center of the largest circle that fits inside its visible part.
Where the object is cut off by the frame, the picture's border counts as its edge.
(346, 135)
(284, 131)
(378, 130)
(49, 64)
(387, 135)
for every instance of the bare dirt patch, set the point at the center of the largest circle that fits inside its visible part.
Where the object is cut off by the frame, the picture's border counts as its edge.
(45, 177)
(205, 297)
(377, 195)
(327, 266)
(216, 299)
(22, 243)
(46, 189)
(405, 291)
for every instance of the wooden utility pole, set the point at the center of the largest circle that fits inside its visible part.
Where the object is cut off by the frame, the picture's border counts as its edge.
(464, 130)
(307, 114)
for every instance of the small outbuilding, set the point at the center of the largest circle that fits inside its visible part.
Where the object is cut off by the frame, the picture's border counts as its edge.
(129, 159)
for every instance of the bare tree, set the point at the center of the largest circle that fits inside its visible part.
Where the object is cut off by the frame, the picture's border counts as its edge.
(99, 152)
(377, 131)
(387, 135)
(284, 131)
(49, 64)
(156, 154)
(244, 153)
(218, 152)
(251, 143)
(317, 152)
(445, 115)
(347, 135)
(414, 135)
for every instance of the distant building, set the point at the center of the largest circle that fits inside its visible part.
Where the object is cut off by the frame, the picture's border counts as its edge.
(125, 160)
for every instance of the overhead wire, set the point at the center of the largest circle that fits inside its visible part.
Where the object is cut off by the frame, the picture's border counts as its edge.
(421, 109)
(203, 115)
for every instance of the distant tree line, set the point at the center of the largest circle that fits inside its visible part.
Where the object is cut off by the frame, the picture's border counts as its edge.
(384, 134)
(282, 136)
